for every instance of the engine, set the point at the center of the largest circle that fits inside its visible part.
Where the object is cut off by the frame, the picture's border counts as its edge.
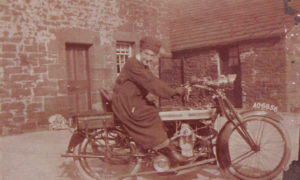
(187, 140)
(195, 138)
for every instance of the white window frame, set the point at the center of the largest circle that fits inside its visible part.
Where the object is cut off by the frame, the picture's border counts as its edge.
(124, 50)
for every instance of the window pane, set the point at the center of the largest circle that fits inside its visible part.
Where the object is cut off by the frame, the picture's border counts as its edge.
(123, 52)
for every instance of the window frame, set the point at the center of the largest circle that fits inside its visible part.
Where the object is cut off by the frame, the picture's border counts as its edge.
(129, 37)
(124, 50)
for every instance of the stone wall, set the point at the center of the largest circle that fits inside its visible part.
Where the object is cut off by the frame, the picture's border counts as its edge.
(171, 73)
(263, 70)
(263, 64)
(293, 68)
(199, 63)
(33, 34)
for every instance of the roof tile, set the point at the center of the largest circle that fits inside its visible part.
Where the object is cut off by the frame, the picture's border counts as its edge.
(201, 23)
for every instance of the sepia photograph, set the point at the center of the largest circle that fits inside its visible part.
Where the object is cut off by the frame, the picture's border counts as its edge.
(149, 89)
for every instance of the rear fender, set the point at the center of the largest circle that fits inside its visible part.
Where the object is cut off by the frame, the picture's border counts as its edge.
(76, 139)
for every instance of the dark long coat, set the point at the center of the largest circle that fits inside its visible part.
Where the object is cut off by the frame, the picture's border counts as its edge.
(139, 117)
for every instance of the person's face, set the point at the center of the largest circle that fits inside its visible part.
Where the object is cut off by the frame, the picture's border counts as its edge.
(149, 58)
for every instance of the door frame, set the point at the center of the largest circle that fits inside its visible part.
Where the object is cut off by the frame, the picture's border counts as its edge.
(76, 36)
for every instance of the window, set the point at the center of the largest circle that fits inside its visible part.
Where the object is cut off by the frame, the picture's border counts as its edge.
(229, 60)
(123, 52)
(233, 57)
(230, 64)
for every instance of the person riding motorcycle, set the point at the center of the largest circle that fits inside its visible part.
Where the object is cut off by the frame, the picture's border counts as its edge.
(139, 117)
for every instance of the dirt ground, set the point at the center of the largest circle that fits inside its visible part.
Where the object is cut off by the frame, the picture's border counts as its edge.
(36, 156)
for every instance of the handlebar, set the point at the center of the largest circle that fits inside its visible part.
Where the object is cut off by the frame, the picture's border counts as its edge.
(223, 82)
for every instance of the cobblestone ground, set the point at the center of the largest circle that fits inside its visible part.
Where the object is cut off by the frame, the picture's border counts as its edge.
(36, 156)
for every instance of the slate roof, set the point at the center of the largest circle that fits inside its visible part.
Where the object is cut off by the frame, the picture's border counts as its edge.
(206, 23)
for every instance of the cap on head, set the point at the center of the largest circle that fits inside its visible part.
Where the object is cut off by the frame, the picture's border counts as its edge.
(150, 43)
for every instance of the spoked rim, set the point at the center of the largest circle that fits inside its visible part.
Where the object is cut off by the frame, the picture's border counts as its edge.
(109, 166)
(267, 160)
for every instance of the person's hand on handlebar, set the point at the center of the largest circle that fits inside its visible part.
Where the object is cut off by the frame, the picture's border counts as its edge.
(194, 80)
(181, 91)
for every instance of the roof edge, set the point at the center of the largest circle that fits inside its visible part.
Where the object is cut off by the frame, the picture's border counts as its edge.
(279, 33)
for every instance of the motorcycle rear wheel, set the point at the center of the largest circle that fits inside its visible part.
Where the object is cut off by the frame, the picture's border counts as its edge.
(105, 166)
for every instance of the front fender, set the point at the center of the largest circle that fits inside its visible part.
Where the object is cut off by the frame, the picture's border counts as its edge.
(270, 114)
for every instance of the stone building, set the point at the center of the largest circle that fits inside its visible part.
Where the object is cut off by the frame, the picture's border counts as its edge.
(56, 55)
(255, 40)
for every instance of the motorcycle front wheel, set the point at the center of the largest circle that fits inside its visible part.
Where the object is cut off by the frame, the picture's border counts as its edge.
(264, 163)
(102, 158)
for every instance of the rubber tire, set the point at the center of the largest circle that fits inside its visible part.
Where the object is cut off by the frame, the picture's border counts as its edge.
(222, 149)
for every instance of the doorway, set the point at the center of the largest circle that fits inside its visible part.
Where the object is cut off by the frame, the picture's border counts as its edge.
(79, 93)
(230, 64)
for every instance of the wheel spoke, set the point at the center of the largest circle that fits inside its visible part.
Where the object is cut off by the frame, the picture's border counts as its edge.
(260, 132)
(119, 163)
(242, 157)
(267, 160)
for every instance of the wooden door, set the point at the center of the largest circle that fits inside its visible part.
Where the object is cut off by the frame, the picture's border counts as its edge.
(78, 77)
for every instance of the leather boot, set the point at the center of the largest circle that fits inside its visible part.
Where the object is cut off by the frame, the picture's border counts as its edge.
(174, 157)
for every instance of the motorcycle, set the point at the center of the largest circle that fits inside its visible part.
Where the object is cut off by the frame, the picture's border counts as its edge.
(247, 145)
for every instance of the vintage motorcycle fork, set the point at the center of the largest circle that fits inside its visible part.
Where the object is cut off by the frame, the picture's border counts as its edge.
(228, 110)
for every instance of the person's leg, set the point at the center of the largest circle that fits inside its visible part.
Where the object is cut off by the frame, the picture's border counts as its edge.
(169, 150)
